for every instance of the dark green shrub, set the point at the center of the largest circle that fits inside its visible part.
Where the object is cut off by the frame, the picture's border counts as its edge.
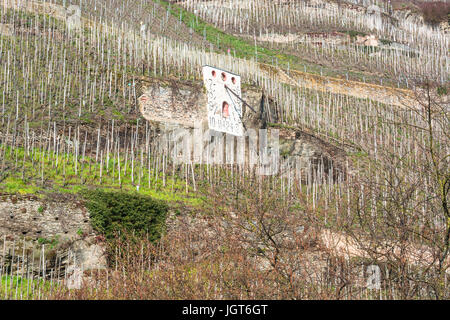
(442, 91)
(111, 212)
(354, 33)
(386, 42)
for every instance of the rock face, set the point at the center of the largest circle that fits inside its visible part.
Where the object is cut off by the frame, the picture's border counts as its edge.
(69, 260)
(58, 233)
(6, 30)
(184, 103)
(176, 104)
(445, 26)
(303, 151)
(408, 16)
(173, 102)
(370, 40)
(374, 10)
(51, 9)
(89, 254)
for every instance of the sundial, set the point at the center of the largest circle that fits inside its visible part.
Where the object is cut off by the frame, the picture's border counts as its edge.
(224, 104)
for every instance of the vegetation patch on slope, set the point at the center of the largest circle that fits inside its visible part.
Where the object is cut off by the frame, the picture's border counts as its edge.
(111, 212)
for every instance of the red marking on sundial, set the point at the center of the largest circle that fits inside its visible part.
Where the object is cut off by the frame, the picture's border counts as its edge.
(225, 112)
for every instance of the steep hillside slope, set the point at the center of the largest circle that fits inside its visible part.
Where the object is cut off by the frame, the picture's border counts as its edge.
(349, 171)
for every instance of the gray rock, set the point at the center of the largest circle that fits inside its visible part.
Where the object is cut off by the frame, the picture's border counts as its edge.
(6, 30)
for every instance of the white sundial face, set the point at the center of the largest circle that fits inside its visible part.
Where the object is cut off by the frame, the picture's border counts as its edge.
(235, 101)
(211, 88)
(224, 107)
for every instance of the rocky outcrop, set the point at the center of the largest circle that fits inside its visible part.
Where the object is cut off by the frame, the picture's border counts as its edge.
(6, 30)
(54, 10)
(369, 40)
(47, 238)
(177, 102)
(303, 151)
(408, 15)
(387, 95)
(174, 104)
(184, 103)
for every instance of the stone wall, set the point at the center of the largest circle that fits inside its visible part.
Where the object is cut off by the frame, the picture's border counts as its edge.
(31, 218)
(57, 232)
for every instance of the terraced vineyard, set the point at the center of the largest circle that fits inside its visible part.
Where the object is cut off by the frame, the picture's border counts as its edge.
(355, 91)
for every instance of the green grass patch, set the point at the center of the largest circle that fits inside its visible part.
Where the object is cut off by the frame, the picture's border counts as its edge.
(247, 49)
(222, 41)
(16, 287)
(40, 172)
